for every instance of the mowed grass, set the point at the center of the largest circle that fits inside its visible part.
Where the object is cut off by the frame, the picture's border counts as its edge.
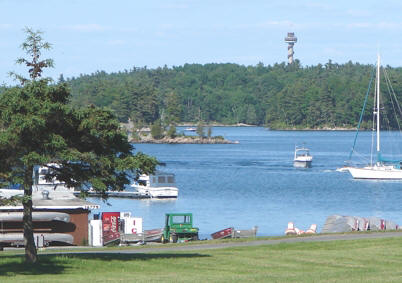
(374, 260)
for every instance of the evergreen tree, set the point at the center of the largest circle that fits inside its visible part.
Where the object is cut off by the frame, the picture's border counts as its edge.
(172, 131)
(33, 46)
(200, 129)
(61, 79)
(209, 132)
(157, 130)
(173, 107)
(38, 127)
(251, 117)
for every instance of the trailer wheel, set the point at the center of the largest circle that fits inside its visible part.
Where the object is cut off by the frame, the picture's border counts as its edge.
(173, 238)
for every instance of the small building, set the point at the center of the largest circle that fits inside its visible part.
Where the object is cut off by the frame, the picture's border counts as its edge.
(58, 217)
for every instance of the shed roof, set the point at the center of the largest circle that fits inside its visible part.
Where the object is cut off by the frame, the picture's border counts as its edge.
(56, 200)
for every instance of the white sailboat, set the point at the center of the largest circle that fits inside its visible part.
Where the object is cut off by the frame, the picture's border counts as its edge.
(382, 169)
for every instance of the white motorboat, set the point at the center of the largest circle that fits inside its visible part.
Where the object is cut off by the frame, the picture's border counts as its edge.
(159, 185)
(41, 183)
(302, 158)
(382, 168)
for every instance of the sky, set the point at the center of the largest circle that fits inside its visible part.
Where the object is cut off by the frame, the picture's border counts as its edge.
(89, 36)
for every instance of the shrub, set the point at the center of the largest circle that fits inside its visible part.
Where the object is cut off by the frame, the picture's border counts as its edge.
(172, 131)
(156, 130)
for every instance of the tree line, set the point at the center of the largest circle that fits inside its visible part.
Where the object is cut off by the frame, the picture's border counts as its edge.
(278, 96)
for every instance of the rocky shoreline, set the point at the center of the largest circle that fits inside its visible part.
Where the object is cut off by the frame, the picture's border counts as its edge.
(314, 129)
(185, 140)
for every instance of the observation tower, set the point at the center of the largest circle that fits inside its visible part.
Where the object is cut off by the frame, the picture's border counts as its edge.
(291, 39)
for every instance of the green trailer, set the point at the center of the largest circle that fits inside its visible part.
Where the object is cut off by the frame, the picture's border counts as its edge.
(179, 227)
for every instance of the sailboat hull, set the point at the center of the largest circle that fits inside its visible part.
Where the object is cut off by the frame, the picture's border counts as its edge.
(376, 172)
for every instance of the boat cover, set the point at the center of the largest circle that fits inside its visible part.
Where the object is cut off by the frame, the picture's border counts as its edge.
(36, 216)
(382, 224)
(339, 224)
(48, 237)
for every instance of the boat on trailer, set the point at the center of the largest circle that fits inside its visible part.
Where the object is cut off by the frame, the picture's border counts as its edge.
(235, 233)
(152, 235)
(224, 233)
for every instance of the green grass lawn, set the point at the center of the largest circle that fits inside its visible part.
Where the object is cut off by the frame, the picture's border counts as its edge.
(374, 260)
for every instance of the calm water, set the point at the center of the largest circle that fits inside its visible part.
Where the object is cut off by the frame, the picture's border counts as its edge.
(254, 182)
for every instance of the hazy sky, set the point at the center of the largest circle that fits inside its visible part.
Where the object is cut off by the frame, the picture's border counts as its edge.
(115, 35)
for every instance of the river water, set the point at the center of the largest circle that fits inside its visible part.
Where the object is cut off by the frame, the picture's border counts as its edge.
(254, 183)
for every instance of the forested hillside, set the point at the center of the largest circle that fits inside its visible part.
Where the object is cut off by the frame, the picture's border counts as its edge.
(279, 96)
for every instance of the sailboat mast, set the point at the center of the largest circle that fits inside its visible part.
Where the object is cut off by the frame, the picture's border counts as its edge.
(378, 108)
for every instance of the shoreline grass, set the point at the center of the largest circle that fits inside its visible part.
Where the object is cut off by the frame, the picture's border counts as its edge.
(363, 260)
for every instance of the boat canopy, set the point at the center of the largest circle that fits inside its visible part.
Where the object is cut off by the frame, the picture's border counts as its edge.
(385, 160)
(161, 179)
(302, 151)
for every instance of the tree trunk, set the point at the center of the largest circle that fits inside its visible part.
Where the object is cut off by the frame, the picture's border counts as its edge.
(29, 243)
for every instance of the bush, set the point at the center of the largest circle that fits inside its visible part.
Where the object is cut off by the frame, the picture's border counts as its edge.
(219, 137)
(156, 130)
(172, 132)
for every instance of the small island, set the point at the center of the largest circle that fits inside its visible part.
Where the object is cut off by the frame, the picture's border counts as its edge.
(168, 135)
(184, 140)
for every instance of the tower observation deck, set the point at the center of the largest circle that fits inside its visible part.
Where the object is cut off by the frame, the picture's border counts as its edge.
(291, 39)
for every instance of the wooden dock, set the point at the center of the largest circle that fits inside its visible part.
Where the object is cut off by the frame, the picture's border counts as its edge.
(124, 194)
